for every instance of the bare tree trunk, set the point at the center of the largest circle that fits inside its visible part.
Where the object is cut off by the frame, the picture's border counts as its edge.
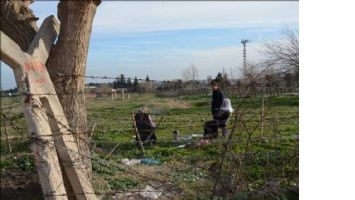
(18, 22)
(67, 58)
(67, 64)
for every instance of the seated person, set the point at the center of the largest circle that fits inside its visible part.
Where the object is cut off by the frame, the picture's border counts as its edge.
(222, 118)
(210, 129)
(145, 126)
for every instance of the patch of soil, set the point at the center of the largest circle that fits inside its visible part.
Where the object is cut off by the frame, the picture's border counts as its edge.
(161, 183)
(158, 172)
(273, 190)
(19, 185)
(177, 104)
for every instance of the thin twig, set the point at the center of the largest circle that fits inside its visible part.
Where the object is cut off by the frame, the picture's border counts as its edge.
(92, 131)
(156, 128)
(5, 132)
(230, 137)
(137, 134)
(114, 148)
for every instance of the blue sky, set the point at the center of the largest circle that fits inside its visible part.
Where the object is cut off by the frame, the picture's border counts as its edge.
(160, 38)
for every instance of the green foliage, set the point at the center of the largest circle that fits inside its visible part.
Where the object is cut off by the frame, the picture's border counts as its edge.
(125, 183)
(273, 155)
(23, 163)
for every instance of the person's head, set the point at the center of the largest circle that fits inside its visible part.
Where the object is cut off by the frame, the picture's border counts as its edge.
(143, 109)
(214, 84)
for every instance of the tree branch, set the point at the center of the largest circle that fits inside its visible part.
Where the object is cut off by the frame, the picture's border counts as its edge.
(18, 22)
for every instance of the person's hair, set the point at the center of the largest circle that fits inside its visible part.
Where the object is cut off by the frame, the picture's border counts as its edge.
(143, 109)
(214, 82)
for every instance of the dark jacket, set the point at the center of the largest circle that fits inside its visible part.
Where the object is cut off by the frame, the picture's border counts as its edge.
(143, 121)
(146, 127)
(220, 116)
(217, 100)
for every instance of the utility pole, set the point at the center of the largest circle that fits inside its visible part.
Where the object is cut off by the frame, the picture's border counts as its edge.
(231, 78)
(244, 42)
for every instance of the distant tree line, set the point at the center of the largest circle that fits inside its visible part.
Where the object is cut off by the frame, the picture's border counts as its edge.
(12, 91)
(134, 86)
(171, 85)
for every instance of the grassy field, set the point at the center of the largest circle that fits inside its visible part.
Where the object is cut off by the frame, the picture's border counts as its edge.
(257, 165)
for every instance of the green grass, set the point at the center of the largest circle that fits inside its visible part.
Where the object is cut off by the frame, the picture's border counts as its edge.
(273, 155)
(23, 163)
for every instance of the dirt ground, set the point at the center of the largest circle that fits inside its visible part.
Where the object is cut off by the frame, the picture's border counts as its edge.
(17, 185)
(177, 104)
(170, 104)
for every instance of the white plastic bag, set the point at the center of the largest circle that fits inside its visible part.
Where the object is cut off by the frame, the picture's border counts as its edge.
(227, 105)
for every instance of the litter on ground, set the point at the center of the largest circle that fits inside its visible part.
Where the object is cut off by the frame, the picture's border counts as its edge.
(131, 162)
(148, 161)
(181, 146)
(150, 193)
(144, 161)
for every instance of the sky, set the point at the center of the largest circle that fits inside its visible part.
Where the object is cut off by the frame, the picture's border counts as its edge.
(161, 38)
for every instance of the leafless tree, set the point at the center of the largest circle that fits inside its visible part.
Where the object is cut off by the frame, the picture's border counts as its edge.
(190, 73)
(249, 72)
(251, 75)
(272, 78)
(283, 54)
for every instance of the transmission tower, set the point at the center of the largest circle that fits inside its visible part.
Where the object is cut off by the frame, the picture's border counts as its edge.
(244, 42)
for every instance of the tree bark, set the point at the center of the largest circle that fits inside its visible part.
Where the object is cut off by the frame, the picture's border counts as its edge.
(67, 64)
(18, 22)
(67, 58)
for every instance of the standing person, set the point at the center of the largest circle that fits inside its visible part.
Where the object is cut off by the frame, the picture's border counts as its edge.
(221, 116)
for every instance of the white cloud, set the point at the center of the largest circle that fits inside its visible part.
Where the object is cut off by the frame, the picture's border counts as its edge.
(158, 16)
(122, 16)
